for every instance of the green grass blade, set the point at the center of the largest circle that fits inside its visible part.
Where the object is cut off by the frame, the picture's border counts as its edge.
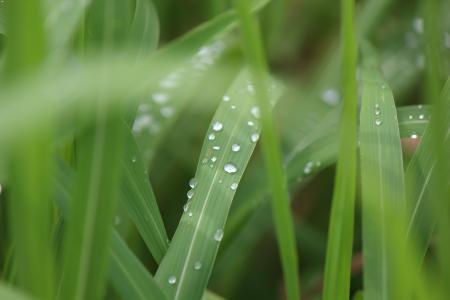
(284, 226)
(340, 234)
(128, 275)
(7, 292)
(31, 165)
(185, 270)
(144, 31)
(382, 180)
(138, 198)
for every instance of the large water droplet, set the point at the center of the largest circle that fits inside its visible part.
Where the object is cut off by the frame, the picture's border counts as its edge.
(254, 137)
(218, 235)
(255, 112)
(235, 147)
(172, 280)
(217, 126)
(197, 265)
(193, 182)
(230, 168)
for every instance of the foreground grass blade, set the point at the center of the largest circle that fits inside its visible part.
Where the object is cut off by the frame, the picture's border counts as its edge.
(284, 226)
(340, 233)
(128, 276)
(138, 198)
(229, 143)
(31, 165)
(382, 180)
(7, 292)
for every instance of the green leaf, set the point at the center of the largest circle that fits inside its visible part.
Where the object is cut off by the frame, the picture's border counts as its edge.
(138, 198)
(340, 233)
(10, 293)
(382, 180)
(185, 270)
(144, 31)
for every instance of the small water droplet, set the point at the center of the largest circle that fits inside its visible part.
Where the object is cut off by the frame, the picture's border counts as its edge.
(410, 117)
(308, 167)
(217, 126)
(378, 122)
(226, 98)
(160, 98)
(234, 186)
(186, 207)
(421, 117)
(414, 136)
(190, 214)
(235, 147)
(212, 137)
(233, 106)
(418, 25)
(377, 110)
(250, 88)
(172, 280)
(230, 168)
(330, 97)
(133, 159)
(117, 219)
(213, 159)
(218, 235)
(193, 182)
(190, 194)
(197, 265)
(254, 137)
(167, 111)
(217, 148)
(250, 123)
(383, 86)
(255, 112)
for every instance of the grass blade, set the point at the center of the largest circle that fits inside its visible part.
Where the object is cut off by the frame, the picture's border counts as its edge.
(284, 226)
(340, 234)
(7, 292)
(185, 270)
(382, 180)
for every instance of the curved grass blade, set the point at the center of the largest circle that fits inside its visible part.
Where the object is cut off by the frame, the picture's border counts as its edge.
(284, 225)
(138, 198)
(7, 292)
(144, 31)
(185, 270)
(382, 180)
(340, 234)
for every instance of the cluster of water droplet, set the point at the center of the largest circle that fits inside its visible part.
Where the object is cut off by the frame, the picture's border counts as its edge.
(377, 112)
(311, 166)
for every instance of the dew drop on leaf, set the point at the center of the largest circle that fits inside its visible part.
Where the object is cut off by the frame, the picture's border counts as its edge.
(172, 280)
(197, 265)
(230, 168)
(218, 235)
(254, 137)
(217, 126)
(235, 148)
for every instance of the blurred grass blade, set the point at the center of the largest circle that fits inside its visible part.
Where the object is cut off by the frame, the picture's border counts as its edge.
(418, 174)
(340, 233)
(144, 31)
(229, 143)
(9, 293)
(128, 275)
(382, 180)
(138, 198)
(31, 169)
(284, 226)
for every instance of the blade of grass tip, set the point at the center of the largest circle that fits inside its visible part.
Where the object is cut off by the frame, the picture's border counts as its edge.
(340, 232)
(89, 226)
(227, 148)
(30, 213)
(126, 273)
(7, 292)
(276, 176)
(439, 182)
(382, 180)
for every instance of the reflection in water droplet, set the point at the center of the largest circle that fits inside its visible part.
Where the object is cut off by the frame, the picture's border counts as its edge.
(218, 235)
(230, 168)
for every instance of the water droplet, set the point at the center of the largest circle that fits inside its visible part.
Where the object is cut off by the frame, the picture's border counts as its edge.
(419, 106)
(235, 147)
(193, 182)
(0, 188)
(172, 280)
(377, 110)
(250, 88)
(226, 98)
(421, 117)
(233, 106)
(308, 167)
(255, 112)
(330, 97)
(213, 159)
(218, 235)
(414, 136)
(230, 168)
(212, 137)
(217, 126)
(117, 219)
(190, 194)
(234, 186)
(378, 122)
(167, 111)
(133, 159)
(410, 117)
(186, 207)
(160, 98)
(217, 148)
(383, 86)
(418, 25)
(250, 123)
(254, 137)
(197, 265)
(190, 214)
